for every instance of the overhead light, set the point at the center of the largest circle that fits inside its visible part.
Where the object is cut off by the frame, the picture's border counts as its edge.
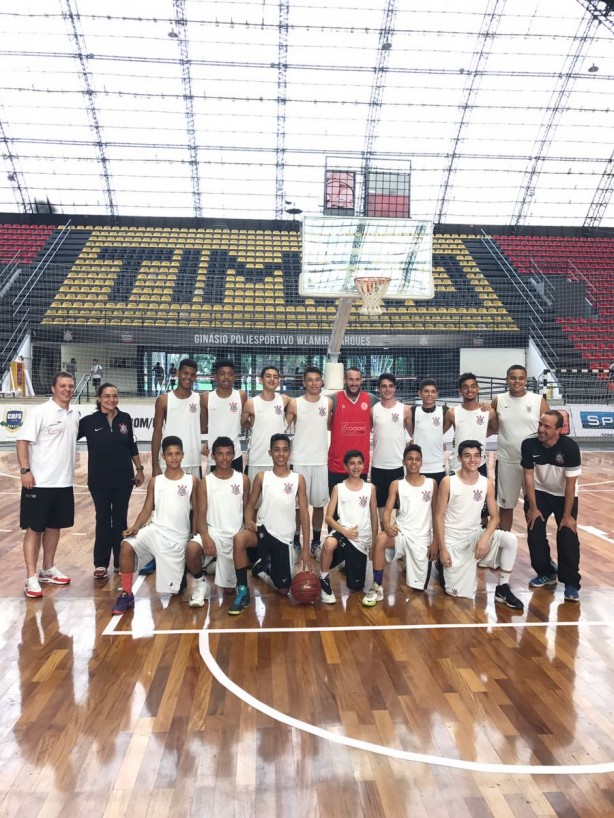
(386, 46)
(173, 35)
(294, 211)
(593, 69)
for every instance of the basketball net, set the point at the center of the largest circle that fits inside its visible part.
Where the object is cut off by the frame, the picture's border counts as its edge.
(372, 291)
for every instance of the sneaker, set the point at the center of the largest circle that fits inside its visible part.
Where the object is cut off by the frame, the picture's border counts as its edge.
(148, 569)
(100, 573)
(209, 564)
(54, 576)
(261, 568)
(200, 593)
(374, 595)
(241, 602)
(326, 592)
(541, 580)
(315, 549)
(123, 603)
(572, 594)
(32, 588)
(503, 594)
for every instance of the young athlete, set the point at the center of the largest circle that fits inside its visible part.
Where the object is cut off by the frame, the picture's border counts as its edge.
(270, 534)
(463, 542)
(222, 410)
(352, 515)
(411, 535)
(311, 417)
(264, 415)
(470, 420)
(161, 530)
(221, 498)
(427, 426)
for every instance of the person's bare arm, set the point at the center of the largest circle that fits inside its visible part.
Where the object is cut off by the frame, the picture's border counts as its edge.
(204, 413)
(409, 420)
(290, 412)
(483, 543)
(145, 513)
(335, 525)
(373, 515)
(249, 515)
(448, 421)
(439, 521)
(493, 418)
(303, 514)
(156, 438)
(393, 493)
(543, 406)
(28, 481)
(247, 414)
(434, 547)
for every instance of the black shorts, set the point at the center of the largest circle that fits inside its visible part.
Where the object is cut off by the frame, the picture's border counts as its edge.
(47, 508)
(437, 476)
(237, 464)
(276, 555)
(355, 562)
(381, 479)
(334, 478)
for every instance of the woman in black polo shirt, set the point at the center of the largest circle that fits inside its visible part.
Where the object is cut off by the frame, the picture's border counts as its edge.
(113, 457)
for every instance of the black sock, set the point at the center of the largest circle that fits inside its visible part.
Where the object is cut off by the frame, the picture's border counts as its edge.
(199, 575)
(316, 534)
(241, 576)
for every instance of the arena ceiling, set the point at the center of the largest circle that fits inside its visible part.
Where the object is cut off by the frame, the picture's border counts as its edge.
(229, 109)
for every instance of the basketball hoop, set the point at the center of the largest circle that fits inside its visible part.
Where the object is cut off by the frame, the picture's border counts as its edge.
(372, 291)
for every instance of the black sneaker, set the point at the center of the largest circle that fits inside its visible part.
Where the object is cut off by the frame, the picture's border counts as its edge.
(503, 594)
(148, 569)
(441, 578)
(326, 592)
(296, 542)
(241, 602)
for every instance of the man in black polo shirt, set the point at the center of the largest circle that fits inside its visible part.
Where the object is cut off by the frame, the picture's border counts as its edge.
(551, 467)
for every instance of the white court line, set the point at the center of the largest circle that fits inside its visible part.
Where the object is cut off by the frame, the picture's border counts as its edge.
(600, 483)
(596, 532)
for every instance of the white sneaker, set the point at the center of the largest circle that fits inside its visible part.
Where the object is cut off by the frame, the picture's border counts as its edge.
(54, 576)
(326, 592)
(200, 594)
(32, 588)
(374, 595)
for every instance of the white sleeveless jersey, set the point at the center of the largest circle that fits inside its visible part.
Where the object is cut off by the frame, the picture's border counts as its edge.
(428, 434)
(414, 517)
(310, 444)
(183, 420)
(224, 419)
(353, 508)
(224, 505)
(464, 510)
(469, 424)
(278, 508)
(172, 506)
(518, 418)
(388, 436)
(269, 420)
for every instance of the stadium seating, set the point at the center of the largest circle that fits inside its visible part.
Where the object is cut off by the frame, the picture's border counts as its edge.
(22, 241)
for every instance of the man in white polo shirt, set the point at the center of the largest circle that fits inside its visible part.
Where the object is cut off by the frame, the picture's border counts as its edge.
(46, 445)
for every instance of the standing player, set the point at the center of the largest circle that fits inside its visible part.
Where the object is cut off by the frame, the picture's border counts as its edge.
(46, 446)
(428, 424)
(350, 426)
(264, 415)
(271, 532)
(96, 374)
(352, 515)
(552, 465)
(310, 414)
(390, 420)
(172, 376)
(158, 373)
(179, 413)
(221, 498)
(222, 410)
(517, 414)
(162, 529)
(470, 420)
(411, 535)
(463, 542)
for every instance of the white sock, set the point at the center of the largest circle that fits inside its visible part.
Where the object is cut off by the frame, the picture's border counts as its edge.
(504, 578)
(323, 574)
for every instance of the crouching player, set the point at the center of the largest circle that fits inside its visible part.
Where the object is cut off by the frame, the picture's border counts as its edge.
(463, 543)
(352, 515)
(221, 498)
(269, 536)
(411, 535)
(161, 530)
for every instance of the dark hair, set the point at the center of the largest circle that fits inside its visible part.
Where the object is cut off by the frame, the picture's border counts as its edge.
(312, 370)
(222, 362)
(352, 453)
(188, 362)
(171, 440)
(353, 369)
(516, 366)
(264, 369)
(466, 376)
(469, 444)
(222, 443)
(61, 374)
(428, 382)
(279, 436)
(387, 376)
(100, 390)
(560, 420)
(412, 447)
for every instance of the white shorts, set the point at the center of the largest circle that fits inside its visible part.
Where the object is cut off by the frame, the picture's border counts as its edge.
(316, 480)
(225, 576)
(150, 544)
(416, 560)
(461, 576)
(509, 483)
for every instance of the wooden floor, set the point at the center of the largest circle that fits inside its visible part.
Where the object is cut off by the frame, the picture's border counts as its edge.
(422, 706)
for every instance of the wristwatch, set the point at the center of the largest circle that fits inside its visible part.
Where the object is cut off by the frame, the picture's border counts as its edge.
(23, 471)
